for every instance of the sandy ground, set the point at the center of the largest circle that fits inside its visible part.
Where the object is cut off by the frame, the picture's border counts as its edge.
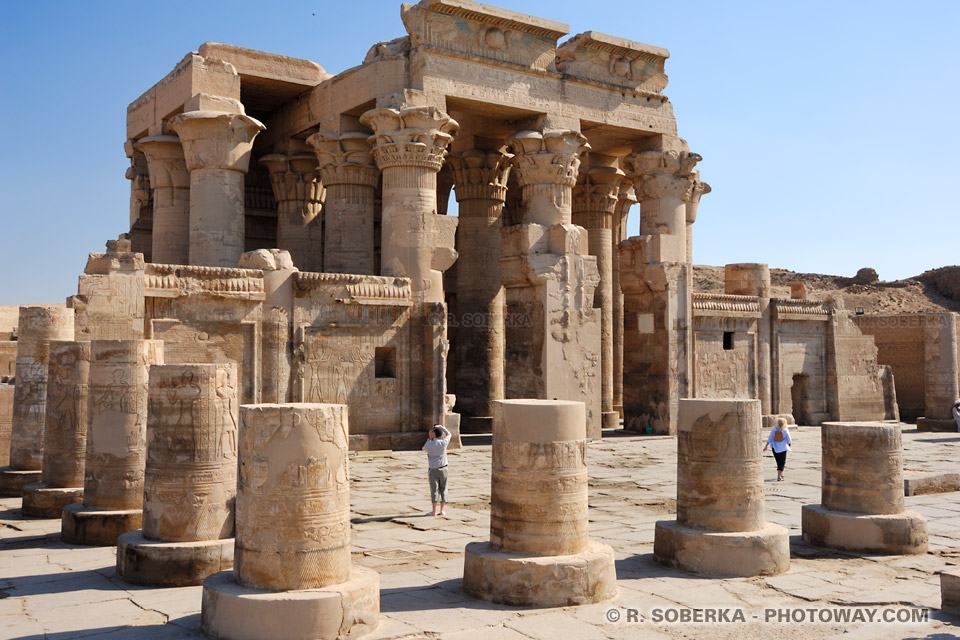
(55, 591)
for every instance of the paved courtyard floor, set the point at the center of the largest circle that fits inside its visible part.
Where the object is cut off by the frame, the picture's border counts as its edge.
(55, 591)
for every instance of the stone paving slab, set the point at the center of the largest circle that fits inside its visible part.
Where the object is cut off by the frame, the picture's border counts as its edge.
(56, 591)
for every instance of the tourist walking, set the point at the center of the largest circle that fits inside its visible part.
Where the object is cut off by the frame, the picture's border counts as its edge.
(436, 448)
(779, 441)
(956, 413)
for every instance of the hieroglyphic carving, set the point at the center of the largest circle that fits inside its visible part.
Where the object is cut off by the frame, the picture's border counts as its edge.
(190, 481)
(65, 435)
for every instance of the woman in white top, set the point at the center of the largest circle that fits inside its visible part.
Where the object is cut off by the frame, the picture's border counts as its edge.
(779, 440)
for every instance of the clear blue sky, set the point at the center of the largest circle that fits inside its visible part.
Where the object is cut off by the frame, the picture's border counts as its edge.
(829, 130)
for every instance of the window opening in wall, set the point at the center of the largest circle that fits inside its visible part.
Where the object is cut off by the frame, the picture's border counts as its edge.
(385, 362)
(727, 340)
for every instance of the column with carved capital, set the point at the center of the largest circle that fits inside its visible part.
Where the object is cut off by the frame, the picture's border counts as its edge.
(552, 330)
(625, 200)
(170, 182)
(216, 146)
(409, 145)
(594, 202)
(656, 278)
(480, 179)
(299, 193)
(350, 178)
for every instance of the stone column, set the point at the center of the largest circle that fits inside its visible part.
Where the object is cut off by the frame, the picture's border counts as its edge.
(941, 375)
(116, 443)
(481, 188)
(594, 202)
(292, 551)
(37, 327)
(753, 279)
(862, 506)
(539, 551)
(625, 200)
(7, 392)
(720, 528)
(190, 482)
(299, 193)
(170, 182)
(409, 145)
(553, 341)
(693, 204)
(659, 314)
(65, 432)
(217, 149)
(351, 179)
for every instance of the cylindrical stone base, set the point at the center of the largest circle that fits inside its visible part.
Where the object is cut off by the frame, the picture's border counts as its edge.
(12, 481)
(902, 533)
(585, 577)
(610, 420)
(97, 527)
(349, 609)
(862, 467)
(41, 501)
(721, 554)
(170, 564)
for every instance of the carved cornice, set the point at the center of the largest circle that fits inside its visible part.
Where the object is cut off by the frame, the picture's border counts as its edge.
(178, 280)
(353, 288)
(791, 307)
(345, 158)
(167, 165)
(548, 157)
(480, 175)
(216, 139)
(410, 137)
(724, 302)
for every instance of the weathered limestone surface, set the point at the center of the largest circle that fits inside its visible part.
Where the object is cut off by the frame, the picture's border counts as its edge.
(863, 493)
(37, 327)
(65, 434)
(110, 302)
(293, 566)
(720, 528)
(190, 478)
(300, 194)
(116, 442)
(916, 485)
(950, 591)
(539, 551)
(170, 182)
(7, 392)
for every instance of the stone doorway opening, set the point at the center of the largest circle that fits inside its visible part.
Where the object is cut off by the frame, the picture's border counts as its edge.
(799, 393)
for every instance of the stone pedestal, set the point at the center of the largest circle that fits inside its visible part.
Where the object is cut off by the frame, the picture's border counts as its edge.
(116, 443)
(293, 577)
(950, 591)
(190, 480)
(720, 528)
(216, 147)
(37, 327)
(862, 506)
(539, 551)
(350, 178)
(480, 179)
(299, 195)
(170, 182)
(65, 434)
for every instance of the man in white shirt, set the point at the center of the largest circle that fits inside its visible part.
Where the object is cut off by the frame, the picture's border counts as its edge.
(436, 448)
(956, 413)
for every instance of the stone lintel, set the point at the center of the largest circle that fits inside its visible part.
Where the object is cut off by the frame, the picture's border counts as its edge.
(271, 66)
(177, 280)
(347, 288)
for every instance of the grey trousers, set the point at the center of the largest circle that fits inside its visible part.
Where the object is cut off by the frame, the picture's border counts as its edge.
(438, 485)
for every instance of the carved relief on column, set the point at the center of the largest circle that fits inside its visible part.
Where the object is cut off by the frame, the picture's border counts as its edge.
(350, 177)
(170, 182)
(299, 193)
(480, 179)
(547, 164)
(138, 174)
(625, 200)
(65, 435)
(217, 148)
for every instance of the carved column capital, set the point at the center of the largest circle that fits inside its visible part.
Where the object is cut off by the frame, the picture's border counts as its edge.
(410, 137)
(699, 189)
(548, 157)
(595, 197)
(167, 165)
(480, 175)
(345, 158)
(295, 178)
(216, 139)
(659, 174)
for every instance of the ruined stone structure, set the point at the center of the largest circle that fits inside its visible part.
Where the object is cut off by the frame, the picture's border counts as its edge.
(293, 577)
(539, 552)
(923, 351)
(65, 433)
(190, 480)
(116, 443)
(37, 327)
(862, 506)
(720, 528)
